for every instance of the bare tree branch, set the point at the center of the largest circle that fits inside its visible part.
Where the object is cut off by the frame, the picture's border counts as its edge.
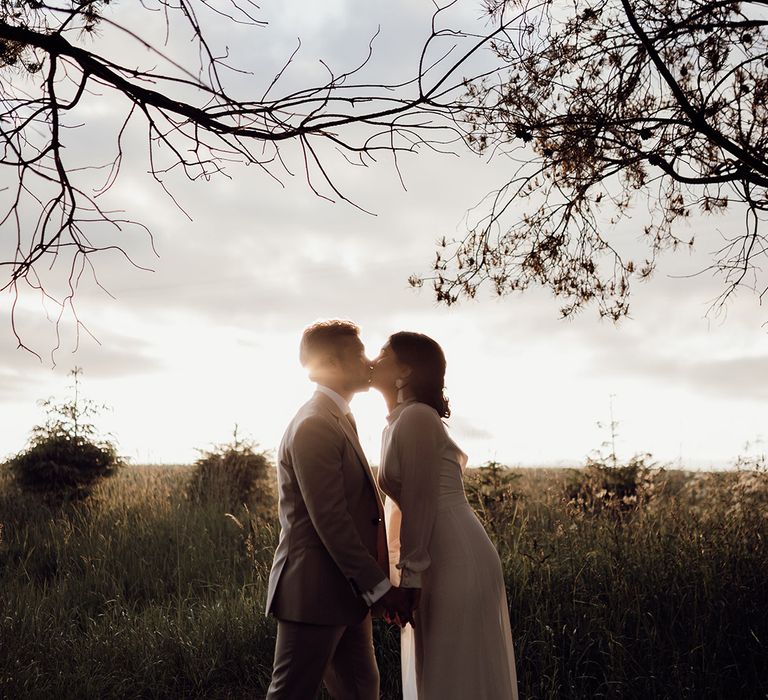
(194, 122)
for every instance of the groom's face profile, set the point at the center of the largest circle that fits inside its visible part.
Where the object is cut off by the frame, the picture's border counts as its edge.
(335, 356)
(352, 363)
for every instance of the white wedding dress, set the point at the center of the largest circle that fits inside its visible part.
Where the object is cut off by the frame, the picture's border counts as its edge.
(461, 647)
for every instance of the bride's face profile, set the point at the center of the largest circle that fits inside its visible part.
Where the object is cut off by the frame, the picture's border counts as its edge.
(387, 369)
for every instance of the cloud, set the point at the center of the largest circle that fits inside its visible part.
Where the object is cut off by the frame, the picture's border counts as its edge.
(735, 378)
(14, 383)
(739, 378)
(107, 354)
(257, 253)
(463, 428)
(117, 356)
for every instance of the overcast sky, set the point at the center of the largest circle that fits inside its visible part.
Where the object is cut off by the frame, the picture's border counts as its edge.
(209, 338)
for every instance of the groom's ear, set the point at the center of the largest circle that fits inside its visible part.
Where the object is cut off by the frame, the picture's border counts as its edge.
(320, 364)
(331, 360)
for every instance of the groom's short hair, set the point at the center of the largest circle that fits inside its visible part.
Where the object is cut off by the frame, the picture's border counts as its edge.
(323, 338)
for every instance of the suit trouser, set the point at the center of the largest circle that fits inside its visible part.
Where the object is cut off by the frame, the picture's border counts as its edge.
(341, 656)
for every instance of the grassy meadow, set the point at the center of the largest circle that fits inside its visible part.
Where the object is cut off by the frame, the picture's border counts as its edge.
(659, 590)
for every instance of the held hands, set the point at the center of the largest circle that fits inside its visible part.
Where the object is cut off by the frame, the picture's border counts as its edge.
(398, 605)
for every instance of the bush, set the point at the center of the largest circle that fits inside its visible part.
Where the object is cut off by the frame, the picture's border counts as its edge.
(614, 488)
(65, 457)
(235, 474)
(63, 463)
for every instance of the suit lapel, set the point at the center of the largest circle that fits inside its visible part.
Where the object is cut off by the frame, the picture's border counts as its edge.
(351, 435)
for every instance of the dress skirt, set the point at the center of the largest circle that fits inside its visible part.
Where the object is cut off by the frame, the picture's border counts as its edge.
(461, 647)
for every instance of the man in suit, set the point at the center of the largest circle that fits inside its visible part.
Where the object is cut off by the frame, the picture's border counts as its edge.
(331, 559)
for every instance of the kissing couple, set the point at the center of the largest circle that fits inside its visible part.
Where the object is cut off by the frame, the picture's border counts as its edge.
(430, 568)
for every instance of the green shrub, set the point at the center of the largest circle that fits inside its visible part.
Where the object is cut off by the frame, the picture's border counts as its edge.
(65, 457)
(235, 474)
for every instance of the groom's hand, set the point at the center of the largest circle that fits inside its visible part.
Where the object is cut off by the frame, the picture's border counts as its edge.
(412, 597)
(378, 609)
(400, 603)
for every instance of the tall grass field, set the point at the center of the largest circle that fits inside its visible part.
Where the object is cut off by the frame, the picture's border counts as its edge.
(654, 586)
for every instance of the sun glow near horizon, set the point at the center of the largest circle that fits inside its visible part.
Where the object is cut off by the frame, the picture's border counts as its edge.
(516, 399)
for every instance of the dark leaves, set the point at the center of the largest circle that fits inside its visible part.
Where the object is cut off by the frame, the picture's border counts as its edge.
(666, 104)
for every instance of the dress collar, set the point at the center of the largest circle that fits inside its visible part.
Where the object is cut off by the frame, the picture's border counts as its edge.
(397, 410)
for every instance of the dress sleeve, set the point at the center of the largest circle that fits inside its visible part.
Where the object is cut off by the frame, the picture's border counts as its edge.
(419, 451)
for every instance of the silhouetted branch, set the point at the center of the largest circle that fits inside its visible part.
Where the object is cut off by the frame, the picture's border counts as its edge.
(604, 102)
(193, 122)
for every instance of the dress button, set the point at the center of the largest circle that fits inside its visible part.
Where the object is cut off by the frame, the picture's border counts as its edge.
(375, 521)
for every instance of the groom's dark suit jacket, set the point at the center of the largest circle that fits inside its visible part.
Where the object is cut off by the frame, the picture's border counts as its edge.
(331, 520)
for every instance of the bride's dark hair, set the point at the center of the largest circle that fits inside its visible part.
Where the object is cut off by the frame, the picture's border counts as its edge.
(426, 359)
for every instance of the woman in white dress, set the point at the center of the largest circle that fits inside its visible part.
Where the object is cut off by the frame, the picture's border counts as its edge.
(461, 645)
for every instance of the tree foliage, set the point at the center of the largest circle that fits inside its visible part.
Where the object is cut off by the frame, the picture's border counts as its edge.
(605, 104)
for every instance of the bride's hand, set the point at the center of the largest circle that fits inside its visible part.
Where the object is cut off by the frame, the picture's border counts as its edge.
(399, 604)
